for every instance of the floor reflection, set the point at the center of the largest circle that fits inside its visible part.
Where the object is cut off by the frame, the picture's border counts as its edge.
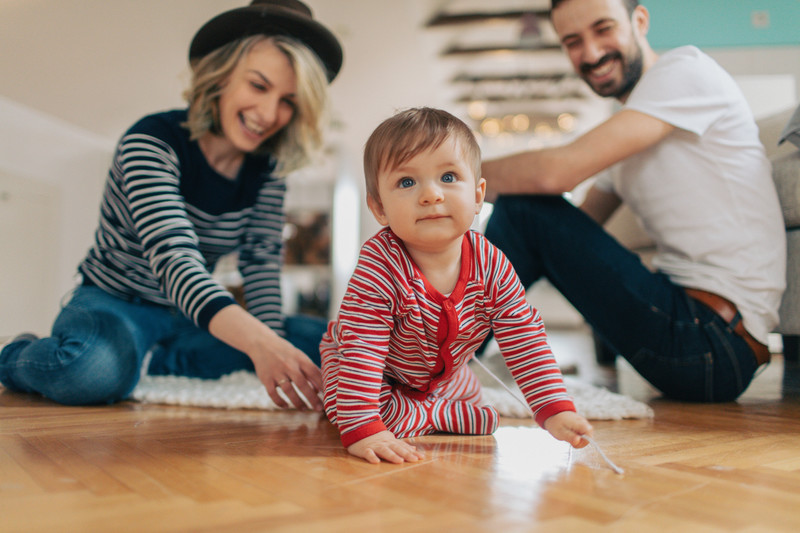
(527, 461)
(529, 454)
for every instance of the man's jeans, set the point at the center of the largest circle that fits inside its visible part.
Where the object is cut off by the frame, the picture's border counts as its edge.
(680, 346)
(99, 342)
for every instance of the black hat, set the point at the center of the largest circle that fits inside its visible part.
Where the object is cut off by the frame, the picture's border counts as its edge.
(271, 17)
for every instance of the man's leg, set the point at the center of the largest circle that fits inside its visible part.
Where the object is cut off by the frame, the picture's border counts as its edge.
(642, 314)
(546, 236)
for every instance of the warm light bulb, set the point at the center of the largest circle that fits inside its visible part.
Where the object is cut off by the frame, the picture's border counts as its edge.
(520, 123)
(491, 127)
(566, 121)
(477, 110)
(543, 129)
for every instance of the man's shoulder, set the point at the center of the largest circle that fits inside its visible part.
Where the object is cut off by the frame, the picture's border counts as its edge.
(685, 55)
(686, 75)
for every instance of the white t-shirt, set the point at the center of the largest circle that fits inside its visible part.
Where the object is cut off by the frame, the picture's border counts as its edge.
(705, 193)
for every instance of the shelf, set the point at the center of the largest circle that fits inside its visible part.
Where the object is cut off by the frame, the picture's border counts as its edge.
(453, 19)
(500, 48)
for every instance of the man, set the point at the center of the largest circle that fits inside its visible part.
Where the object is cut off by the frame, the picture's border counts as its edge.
(686, 159)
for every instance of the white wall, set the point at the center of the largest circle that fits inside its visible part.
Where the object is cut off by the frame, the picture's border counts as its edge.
(51, 175)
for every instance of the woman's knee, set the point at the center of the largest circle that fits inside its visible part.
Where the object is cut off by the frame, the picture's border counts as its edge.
(98, 359)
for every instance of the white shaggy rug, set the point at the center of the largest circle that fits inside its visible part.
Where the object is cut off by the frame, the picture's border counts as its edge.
(243, 390)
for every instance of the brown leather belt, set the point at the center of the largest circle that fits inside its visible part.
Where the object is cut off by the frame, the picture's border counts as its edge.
(727, 311)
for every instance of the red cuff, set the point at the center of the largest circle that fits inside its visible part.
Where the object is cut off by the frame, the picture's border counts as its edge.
(553, 409)
(362, 432)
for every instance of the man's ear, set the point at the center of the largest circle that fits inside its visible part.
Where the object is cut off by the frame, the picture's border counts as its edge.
(377, 210)
(480, 194)
(641, 20)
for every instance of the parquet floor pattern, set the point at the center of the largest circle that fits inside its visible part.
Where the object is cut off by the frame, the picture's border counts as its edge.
(131, 467)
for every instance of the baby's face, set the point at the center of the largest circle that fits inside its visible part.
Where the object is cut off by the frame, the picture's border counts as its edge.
(430, 200)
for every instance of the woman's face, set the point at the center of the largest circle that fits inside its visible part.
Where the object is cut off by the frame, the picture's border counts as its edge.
(259, 99)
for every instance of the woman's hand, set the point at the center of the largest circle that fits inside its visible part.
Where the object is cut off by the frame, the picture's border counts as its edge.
(384, 445)
(281, 366)
(569, 427)
(278, 364)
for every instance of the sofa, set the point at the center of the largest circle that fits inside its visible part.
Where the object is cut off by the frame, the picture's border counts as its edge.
(786, 173)
(780, 135)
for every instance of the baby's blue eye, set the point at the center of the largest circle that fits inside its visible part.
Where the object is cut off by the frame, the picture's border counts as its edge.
(406, 182)
(448, 177)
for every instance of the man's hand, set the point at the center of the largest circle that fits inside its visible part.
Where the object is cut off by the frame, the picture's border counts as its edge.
(384, 445)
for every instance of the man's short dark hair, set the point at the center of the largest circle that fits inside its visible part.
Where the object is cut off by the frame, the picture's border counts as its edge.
(630, 5)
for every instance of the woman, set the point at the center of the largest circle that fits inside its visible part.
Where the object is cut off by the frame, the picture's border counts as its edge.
(186, 187)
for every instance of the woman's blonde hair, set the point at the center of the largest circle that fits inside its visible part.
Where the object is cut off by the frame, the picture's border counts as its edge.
(294, 145)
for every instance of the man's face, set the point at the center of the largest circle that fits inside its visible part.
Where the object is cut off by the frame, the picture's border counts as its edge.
(602, 43)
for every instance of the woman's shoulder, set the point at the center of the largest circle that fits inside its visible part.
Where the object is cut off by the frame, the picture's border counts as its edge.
(161, 122)
(162, 132)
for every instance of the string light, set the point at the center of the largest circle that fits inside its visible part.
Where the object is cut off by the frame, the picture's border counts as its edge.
(544, 128)
(477, 109)
(520, 123)
(491, 127)
(566, 122)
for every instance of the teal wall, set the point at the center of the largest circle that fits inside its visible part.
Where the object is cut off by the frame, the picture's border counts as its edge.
(722, 23)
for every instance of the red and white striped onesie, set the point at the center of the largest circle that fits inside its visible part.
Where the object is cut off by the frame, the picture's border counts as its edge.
(396, 356)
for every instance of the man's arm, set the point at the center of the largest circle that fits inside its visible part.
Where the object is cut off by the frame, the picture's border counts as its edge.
(560, 169)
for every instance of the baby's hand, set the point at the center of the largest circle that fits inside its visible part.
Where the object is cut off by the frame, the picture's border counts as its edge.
(384, 445)
(569, 426)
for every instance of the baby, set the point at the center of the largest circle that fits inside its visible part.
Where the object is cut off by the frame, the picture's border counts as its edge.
(426, 292)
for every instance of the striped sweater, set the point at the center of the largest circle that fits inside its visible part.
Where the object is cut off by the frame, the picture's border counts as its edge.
(393, 326)
(166, 217)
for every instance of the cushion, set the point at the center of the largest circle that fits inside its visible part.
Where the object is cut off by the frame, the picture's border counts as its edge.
(786, 174)
(791, 132)
(790, 310)
(770, 130)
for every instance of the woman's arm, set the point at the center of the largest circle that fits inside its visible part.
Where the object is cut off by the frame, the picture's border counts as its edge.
(152, 177)
(278, 364)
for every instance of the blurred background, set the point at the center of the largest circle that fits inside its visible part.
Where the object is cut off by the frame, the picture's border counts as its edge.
(75, 74)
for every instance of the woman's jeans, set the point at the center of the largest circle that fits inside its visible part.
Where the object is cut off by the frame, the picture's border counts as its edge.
(99, 342)
(680, 346)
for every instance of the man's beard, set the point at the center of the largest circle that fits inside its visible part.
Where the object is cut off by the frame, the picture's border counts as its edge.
(631, 73)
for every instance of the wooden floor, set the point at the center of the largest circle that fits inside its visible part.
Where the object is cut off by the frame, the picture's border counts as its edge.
(132, 467)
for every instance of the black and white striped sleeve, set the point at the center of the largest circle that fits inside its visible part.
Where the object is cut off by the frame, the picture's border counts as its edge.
(151, 178)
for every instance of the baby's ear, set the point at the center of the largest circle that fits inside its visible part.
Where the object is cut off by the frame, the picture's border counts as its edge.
(377, 210)
(480, 194)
